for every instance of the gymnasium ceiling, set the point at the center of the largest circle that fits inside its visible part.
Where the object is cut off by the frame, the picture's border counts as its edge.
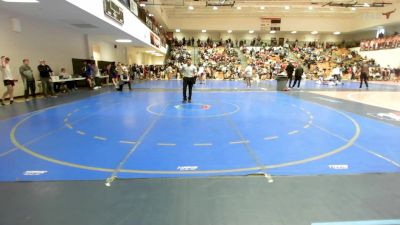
(282, 8)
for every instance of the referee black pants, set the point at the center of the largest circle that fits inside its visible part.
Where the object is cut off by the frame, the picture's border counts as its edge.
(122, 83)
(188, 81)
(363, 77)
(296, 78)
(290, 78)
(30, 85)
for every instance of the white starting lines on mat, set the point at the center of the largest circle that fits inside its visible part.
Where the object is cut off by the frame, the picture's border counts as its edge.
(293, 132)
(83, 133)
(127, 142)
(239, 142)
(203, 144)
(166, 144)
(269, 138)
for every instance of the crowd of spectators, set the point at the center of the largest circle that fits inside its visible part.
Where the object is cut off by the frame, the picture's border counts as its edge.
(178, 54)
(327, 65)
(321, 60)
(381, 42)
(266, 61)
(255, 42)
(220, 62)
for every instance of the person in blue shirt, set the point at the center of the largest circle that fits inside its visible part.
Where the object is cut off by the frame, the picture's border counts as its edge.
(88, 73)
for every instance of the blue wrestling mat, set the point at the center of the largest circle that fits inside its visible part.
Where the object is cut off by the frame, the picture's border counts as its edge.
(152, 134)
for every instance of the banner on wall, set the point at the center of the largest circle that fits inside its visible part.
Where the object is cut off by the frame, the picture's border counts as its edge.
(113, 11)
(154, 40)
(133, 7)
(268, 24)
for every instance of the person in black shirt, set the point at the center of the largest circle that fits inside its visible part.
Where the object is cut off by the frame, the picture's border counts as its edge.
(114, 74)
(289, 72)
(297, 75)
(45, 72)
(364, 74)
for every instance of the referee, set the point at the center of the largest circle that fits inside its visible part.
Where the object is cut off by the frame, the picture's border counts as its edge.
(364, 73)
(188, 71)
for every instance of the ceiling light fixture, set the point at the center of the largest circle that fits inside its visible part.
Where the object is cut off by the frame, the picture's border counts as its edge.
(190, 7)
(353, 8)
(203, 31)
(293, 32)
(123, 40)
(310, 8)
(215, 8)
(336, 33)
(251, 31)
(314, 32)
(178, 30)
(262, 7)
(238, 8)
(22, 1)
(229, 31)
(287, 7)
(272, 32)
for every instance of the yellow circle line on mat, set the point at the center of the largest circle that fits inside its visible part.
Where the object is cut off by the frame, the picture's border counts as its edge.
(292, 163)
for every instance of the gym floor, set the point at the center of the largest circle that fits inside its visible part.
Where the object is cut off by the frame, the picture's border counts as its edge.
(237, 155)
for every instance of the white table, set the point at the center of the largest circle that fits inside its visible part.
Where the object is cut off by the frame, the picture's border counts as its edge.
(67, 80)
(104, 77)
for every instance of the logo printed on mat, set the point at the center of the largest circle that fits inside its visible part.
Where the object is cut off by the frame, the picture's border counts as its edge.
(187, 168)
(392, 116)
(34, 172)
(193, 107)
(339, 167)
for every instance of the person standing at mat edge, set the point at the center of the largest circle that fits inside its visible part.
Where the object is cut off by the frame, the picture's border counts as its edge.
(248, 73)
(45, 71)
(189, 78)
(8, 79)
(289, 72)
(26, 73)
(364, 74)
(297, 75)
